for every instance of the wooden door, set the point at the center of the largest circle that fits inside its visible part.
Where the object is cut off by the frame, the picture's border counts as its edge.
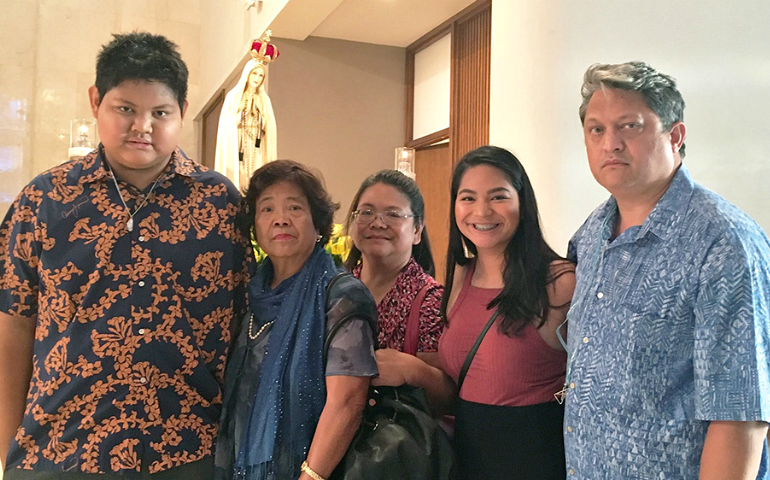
(210, 122)
(433, 170)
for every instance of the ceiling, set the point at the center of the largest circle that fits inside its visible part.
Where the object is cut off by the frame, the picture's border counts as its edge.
(396, 23)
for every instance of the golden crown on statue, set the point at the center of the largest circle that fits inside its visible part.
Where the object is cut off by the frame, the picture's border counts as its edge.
(262, 50)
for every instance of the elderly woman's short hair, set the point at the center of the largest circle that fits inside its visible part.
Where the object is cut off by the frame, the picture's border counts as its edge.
(321, 206)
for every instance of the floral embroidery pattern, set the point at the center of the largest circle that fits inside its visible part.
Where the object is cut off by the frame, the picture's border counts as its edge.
(394, 308)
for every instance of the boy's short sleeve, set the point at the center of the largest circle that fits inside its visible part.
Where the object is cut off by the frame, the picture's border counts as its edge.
(20, 248)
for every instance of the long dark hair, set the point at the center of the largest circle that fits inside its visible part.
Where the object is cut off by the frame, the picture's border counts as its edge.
(528, 257)
(408, 187)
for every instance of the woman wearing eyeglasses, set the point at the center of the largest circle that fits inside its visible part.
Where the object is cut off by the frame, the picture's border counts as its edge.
(391, 256)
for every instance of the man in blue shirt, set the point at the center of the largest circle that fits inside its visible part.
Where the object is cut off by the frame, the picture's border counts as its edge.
(669, 329)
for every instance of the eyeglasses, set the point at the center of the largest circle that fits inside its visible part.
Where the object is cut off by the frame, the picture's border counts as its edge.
(390, 217)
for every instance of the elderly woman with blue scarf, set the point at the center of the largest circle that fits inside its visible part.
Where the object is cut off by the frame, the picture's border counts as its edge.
(290, 409)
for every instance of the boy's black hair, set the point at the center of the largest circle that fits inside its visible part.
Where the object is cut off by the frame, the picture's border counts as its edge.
(141, 56)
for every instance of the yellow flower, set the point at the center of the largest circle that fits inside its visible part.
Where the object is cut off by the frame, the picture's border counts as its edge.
(338, 245)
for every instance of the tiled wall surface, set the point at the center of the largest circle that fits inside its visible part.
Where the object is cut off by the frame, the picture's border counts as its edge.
(47, 55)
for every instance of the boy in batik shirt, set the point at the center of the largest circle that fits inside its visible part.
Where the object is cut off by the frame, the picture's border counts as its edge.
(120, 274)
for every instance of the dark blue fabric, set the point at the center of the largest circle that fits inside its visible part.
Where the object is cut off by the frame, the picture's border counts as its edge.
(292, 390)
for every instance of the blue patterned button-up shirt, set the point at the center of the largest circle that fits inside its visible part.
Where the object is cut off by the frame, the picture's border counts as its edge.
(669, 328)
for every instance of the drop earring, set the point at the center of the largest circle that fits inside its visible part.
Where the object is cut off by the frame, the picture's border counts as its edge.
(466, 251)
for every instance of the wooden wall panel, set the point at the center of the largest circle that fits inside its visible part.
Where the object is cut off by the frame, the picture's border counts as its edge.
(471, 32)
(471, 64)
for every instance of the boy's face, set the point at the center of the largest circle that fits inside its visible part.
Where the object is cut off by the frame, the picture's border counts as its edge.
(139, 125)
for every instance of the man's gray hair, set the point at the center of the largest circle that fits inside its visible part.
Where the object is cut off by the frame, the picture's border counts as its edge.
(658, 89)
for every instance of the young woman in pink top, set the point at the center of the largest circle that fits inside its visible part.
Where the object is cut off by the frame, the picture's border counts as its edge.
(508, 423)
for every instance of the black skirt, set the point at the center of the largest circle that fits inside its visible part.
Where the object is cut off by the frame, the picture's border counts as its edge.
(510, 443)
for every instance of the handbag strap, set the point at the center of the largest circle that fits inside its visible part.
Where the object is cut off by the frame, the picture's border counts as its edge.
(472, 353)
(412, 335)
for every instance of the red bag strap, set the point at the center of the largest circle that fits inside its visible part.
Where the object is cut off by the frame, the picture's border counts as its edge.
(412, 335)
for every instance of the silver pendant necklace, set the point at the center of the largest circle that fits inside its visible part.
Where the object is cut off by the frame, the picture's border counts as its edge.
(130, 223)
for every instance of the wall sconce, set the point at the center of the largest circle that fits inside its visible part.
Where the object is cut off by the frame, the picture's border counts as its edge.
(82, 137)
(405, 161)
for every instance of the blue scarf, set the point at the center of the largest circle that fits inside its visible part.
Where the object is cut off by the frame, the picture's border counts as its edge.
(292, 391)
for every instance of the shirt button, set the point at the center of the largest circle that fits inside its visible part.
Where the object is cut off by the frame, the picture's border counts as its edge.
(600, 295)
(572, 385)
(141, 283)
(571, 471)
(585, 339)
(141, 331)
(569, 429)
(143, 380)
(141, 238)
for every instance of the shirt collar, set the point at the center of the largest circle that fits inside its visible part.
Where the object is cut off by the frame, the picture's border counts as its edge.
(609, 217)
(664, 219)
(95, 169)
(411, 269)
(181, 165)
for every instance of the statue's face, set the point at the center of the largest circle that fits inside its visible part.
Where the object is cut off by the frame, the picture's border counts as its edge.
(257, 77)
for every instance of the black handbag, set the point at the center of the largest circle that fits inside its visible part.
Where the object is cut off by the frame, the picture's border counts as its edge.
(398, 439)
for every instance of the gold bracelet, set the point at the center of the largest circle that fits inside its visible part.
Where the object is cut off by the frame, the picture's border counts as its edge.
(306, 468)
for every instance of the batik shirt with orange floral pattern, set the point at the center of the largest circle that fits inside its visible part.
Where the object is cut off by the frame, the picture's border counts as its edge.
(133, 327)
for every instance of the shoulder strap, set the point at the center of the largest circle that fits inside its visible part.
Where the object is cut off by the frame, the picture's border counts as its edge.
(331, 284)
(412, 334)
(472, 353)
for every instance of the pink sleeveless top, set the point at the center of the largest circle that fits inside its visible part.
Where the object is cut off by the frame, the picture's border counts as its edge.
(508, 371)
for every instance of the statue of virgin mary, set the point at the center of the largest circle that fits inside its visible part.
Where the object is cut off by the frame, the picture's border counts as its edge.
(246, 135)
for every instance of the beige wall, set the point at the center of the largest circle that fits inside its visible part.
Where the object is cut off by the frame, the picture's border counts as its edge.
(226, 36)
(47, 56)
(339, 107)
(716, 50)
